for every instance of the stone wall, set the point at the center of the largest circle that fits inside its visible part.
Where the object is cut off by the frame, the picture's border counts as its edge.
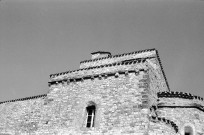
(121, 108)
(21, 116)
(130, 92)
(184, 116)
(182, 108)
(160, 128)
(108, 68)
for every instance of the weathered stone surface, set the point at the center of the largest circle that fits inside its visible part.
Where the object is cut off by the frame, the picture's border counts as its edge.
(127, 92)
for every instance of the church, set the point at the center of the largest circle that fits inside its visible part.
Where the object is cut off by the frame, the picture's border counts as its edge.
(124, 94)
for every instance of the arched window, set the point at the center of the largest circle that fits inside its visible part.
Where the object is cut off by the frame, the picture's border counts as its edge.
(188, 130)
(90, 110)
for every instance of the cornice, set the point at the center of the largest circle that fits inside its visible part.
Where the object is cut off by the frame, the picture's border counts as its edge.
(133, 61)
(92, 77)
(173, 94)
(166, 121)
(162, 119)
(181, 95)
(26, 98)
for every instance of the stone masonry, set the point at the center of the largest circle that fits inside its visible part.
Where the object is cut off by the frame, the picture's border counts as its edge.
(130, 95)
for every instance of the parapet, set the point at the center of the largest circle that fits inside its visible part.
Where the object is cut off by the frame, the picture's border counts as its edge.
(102, 58)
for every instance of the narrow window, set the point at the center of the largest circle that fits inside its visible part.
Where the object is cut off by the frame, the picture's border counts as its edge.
(188, 130)
(90, 116)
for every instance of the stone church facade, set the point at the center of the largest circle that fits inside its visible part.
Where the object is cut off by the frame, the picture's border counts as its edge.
(126, 94)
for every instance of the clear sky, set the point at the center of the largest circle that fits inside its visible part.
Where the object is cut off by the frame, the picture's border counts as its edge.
(41, 37)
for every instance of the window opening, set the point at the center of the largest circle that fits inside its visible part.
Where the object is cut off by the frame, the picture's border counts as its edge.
(90, 116)
(188, 131)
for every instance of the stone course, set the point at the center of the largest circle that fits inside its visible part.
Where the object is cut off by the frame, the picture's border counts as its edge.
(131, 95)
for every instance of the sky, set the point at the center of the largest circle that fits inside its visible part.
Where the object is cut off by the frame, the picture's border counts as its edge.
(42, 37)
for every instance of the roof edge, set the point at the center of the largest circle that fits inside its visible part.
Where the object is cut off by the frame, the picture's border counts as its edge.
(176, 94)
(26, 98)
(157, 54)
(118, 55)
(101, 66)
